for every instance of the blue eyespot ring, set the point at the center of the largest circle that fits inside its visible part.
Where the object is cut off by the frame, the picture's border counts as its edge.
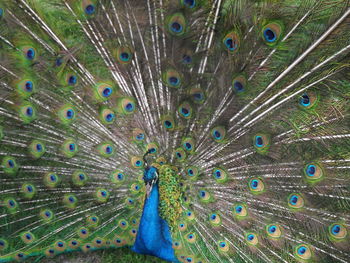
(269, 35)
(90, 9)
(176, 27)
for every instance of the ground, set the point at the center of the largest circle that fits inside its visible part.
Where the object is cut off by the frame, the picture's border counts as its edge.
(121, 255)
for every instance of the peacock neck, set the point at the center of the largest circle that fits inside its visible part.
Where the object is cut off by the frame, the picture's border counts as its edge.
(154, 236)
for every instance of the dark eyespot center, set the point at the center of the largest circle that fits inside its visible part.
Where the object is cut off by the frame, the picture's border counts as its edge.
(302, 250)
(185, 111)
(176, 27)
(29, 86)
(11, 163)
(238, 86)
(30, 53)
(173, 80)
(72, 80)
(294, 199)
(168, 124)
(107, 92)
(89, 9)
(124, 56)
(217, 134)
(255, 183)
(269, 35)
(129, 107)
(71, 147)
(259, 141)
(186, 59)
(29, 111)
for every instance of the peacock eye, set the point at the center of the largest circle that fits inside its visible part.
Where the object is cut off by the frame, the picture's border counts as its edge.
(72, 80)
(337, 232)
(218, 133)
(305, 100)
(124, 56)
(294, 199)
(71, 147)
(90, 9)
(190, 3)
(129, 107)
(231, 42)
(70, 114)
(176, 27)
(269, 35)
(271, 32)
(29, 86)
(109, 117)
(11, 163)
(107, 92)
(186, 59)
(168, 124)
(30, 54)
(238, 86)
(58, 62)
(29, 111)
(39, 147)
(308, 100)
(254, 184)
(176, 24)
(259, 141)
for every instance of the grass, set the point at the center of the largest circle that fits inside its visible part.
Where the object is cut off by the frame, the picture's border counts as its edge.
(120, 255)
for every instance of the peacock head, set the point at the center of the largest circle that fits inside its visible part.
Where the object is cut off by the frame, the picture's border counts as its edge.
(150, 174)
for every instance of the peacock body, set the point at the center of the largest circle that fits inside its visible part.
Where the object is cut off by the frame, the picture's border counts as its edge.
(192, 130)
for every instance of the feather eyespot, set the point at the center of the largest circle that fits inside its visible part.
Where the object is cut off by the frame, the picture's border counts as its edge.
(137, 162)
(223, 246)
(256, 185)
(168, 122)
(337, 232)
(303, 252)
(176, 25)
(271, 33)
(296, 201)
(27, 112)
(220, 175)
(124, 54)
(309, 100)
(88, 7)
(218, 133)
(252, 239)
(9, 165)
(231, 42)
(30, 53)
(185, 110)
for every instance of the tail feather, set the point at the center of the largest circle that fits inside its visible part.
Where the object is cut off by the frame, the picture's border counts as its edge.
(241, 105)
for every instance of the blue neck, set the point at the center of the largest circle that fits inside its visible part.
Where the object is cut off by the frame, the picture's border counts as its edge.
(154, 237)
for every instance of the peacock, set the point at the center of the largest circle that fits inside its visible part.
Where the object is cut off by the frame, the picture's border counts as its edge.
(195, 131)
